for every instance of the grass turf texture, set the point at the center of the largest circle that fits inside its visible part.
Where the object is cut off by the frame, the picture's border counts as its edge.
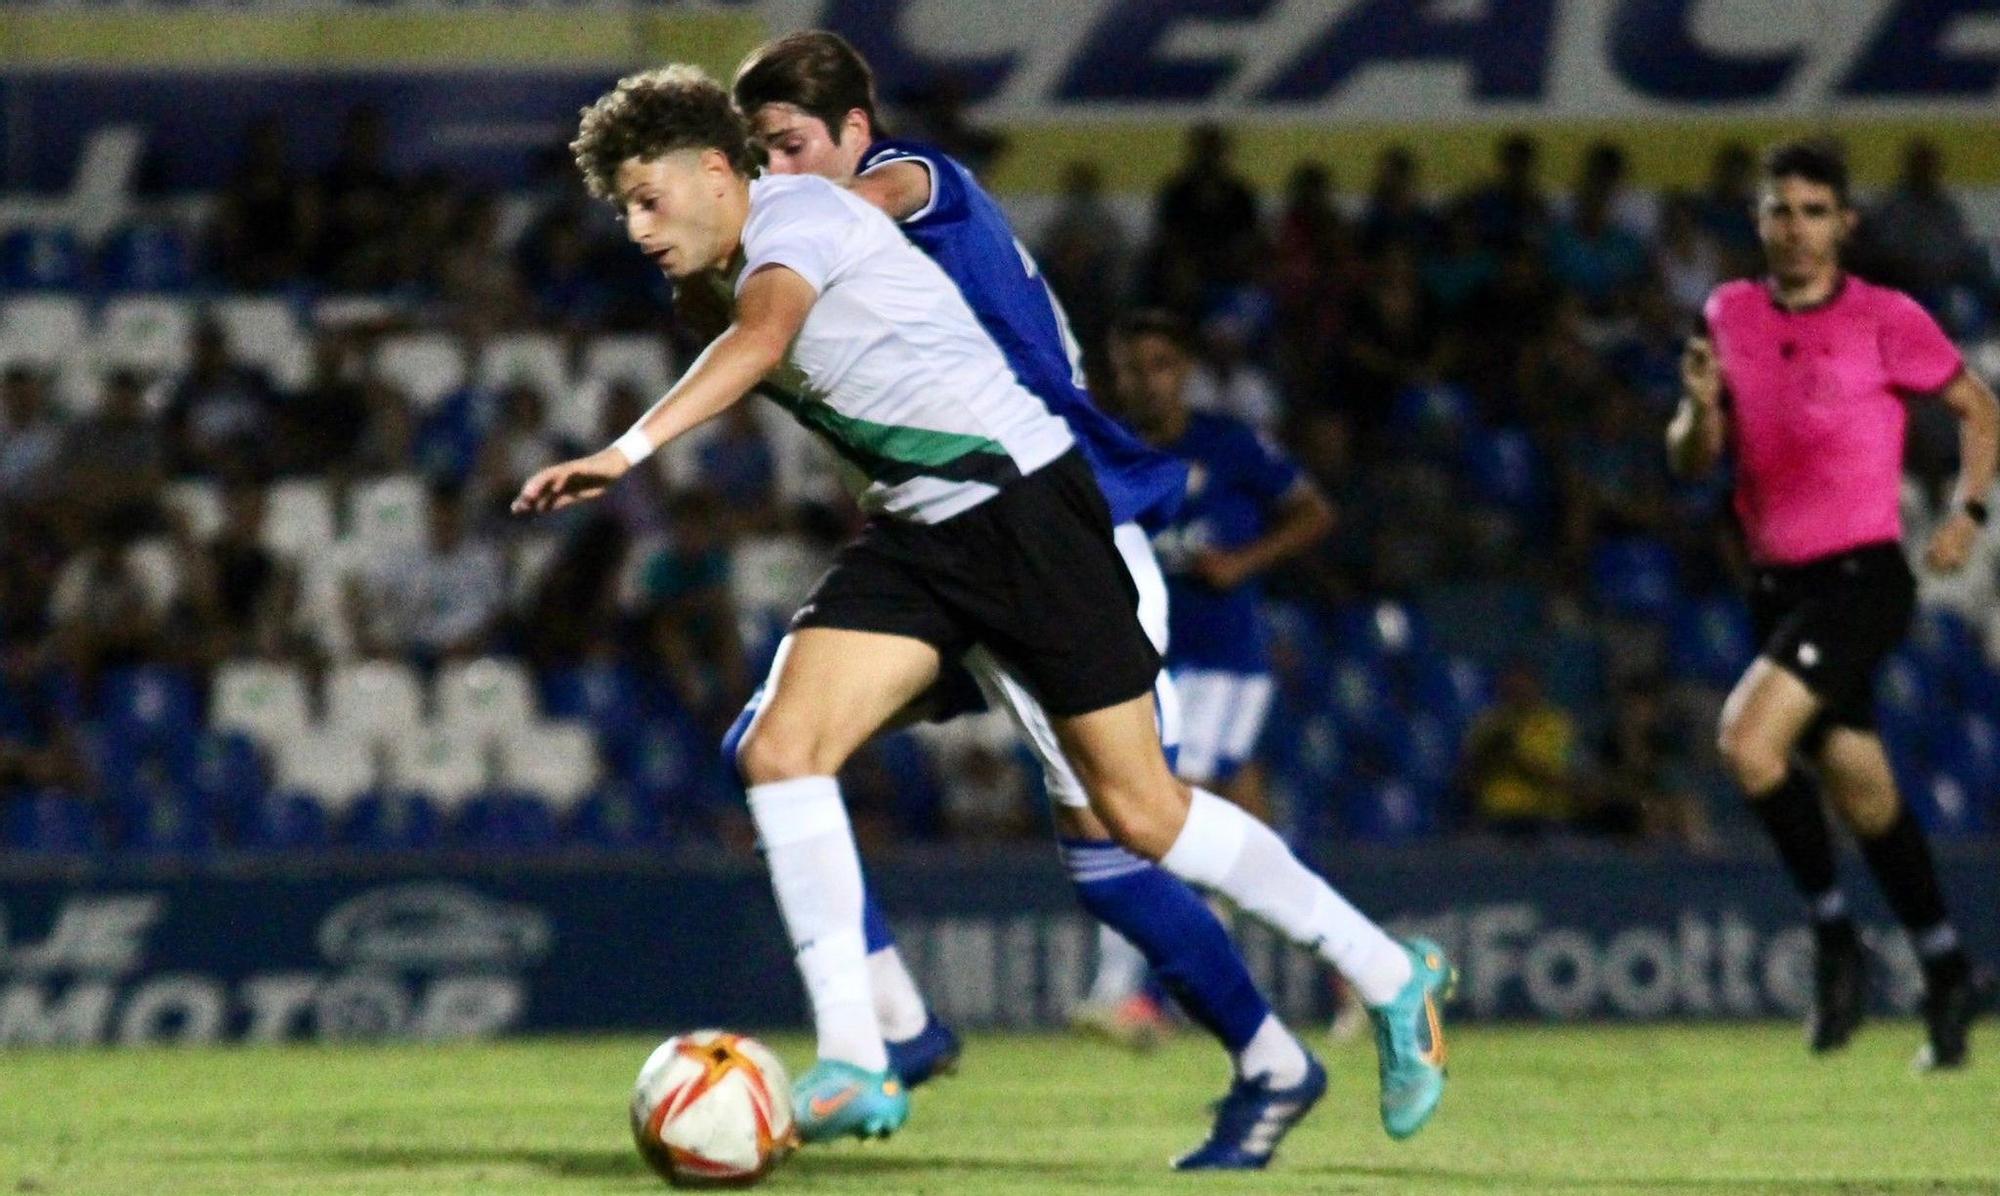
(1530, 1110)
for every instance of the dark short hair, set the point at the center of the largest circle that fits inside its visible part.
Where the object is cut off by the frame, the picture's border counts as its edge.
(815, 71)
(653, 114)
(1155, 321)
(1813, 159)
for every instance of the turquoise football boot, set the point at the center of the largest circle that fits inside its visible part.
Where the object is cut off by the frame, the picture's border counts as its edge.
(840, 1100)
(1409, 1038)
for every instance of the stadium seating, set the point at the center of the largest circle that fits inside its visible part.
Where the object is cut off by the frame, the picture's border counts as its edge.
(51, 824)
(556, 761)
(448, 769)
(537, 359)
(146, 256)
(375, 698)
(263, 700)
(485, 699)
(43, 330)
(298, 518)
(1636, 577)
(388, 513)
(424, 366)
(334, 767)
(264, 332)
(391, 820)
(148, 334)
(41, 258)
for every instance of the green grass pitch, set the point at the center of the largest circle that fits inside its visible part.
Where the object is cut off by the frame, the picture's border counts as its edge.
(1530, 1110)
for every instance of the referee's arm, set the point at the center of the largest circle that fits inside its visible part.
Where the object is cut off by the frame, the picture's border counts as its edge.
(1695, 437)
(1978, 452)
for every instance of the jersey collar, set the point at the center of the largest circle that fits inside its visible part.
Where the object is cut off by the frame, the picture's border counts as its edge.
(1832, 296)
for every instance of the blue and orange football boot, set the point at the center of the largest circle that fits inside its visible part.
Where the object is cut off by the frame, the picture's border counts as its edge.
(1409, 1040)
(840, 1100)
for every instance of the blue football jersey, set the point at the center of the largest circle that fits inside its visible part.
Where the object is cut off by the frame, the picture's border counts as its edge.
(963, 229)
(1235, 480)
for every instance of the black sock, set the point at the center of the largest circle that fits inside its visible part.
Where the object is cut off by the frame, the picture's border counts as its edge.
(1791, 814)
(1901, 861)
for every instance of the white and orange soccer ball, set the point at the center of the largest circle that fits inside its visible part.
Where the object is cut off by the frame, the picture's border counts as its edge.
(713, 1109)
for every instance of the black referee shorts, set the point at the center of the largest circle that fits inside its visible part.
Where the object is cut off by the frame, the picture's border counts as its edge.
(1831, 622)
(1032, 573)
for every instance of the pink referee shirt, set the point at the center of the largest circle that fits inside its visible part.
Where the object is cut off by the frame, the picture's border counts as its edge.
(1816, 415)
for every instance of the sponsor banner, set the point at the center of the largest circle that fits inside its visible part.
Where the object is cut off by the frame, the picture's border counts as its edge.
(1371, 60)
(477, 86)
(995, 941)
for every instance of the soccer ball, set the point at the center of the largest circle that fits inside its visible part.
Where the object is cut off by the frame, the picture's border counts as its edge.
(712, 1109)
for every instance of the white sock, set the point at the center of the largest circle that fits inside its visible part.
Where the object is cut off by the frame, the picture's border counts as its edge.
(1273, 1053)
(816, 873)
(899, 1007)
(1121, 970)
(1224, 849)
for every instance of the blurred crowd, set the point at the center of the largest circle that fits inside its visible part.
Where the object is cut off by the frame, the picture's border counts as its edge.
(1479, 381)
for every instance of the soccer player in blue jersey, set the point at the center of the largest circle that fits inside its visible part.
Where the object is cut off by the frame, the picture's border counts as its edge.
(1248, 508)
(810, 101)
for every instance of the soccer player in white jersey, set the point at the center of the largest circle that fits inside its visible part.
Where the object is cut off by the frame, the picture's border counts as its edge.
(986, 529)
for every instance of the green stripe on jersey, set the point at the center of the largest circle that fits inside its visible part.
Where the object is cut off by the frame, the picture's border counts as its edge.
(891, 453)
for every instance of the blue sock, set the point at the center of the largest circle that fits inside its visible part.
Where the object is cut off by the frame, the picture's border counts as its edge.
(1177, 933)
(875, 926)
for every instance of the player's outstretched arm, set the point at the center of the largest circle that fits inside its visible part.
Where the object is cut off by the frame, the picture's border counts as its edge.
(1695, 437)
(770, 310)
(1978, 454)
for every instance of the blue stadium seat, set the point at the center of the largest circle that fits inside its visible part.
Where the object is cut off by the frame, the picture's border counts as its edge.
(1948, 650)
(161, 820)
(1361, 699)
(1948, 809)
(151, 705)
(1388, 812)
(1432, 420)
(1907, 692)
(50, 823)
(604, 694)
(613, 816)
(230, 776)
(1970, 752)
(1709, 640)
(290, 821)
(1504, 469)
(41, 259)
(1453, 688)
(499, 820)
(149, 255)
(1635, 576)
(1379, 630)
(1422, 752)
(391, 820)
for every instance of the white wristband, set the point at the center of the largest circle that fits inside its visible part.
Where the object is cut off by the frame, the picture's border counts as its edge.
(635, 446)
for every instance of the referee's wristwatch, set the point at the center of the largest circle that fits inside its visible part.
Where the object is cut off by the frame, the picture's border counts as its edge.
(1976, 509)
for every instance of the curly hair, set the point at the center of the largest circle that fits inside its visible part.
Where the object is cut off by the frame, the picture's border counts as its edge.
(653, 114)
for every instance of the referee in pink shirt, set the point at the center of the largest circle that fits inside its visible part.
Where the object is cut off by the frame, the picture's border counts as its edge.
(1804, 379)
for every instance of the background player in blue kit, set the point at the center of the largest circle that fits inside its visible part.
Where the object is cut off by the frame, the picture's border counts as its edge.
(1248, 508)
(810, 101)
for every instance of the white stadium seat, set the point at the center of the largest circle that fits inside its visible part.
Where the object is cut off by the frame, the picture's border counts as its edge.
(197, 501)
(557, 761)
(43, 331)
(446, 767)
(637, 358)
(425, 366)
(145, 334)
(298, 518)
(265, 333)
(489, 697)
(263, 700)
(388, 513)
(374, 697)
(535, 358)
(323, 615)
(332, 765)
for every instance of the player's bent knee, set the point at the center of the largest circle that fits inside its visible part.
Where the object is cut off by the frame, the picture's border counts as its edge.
(767, 754)
(1144, 820)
